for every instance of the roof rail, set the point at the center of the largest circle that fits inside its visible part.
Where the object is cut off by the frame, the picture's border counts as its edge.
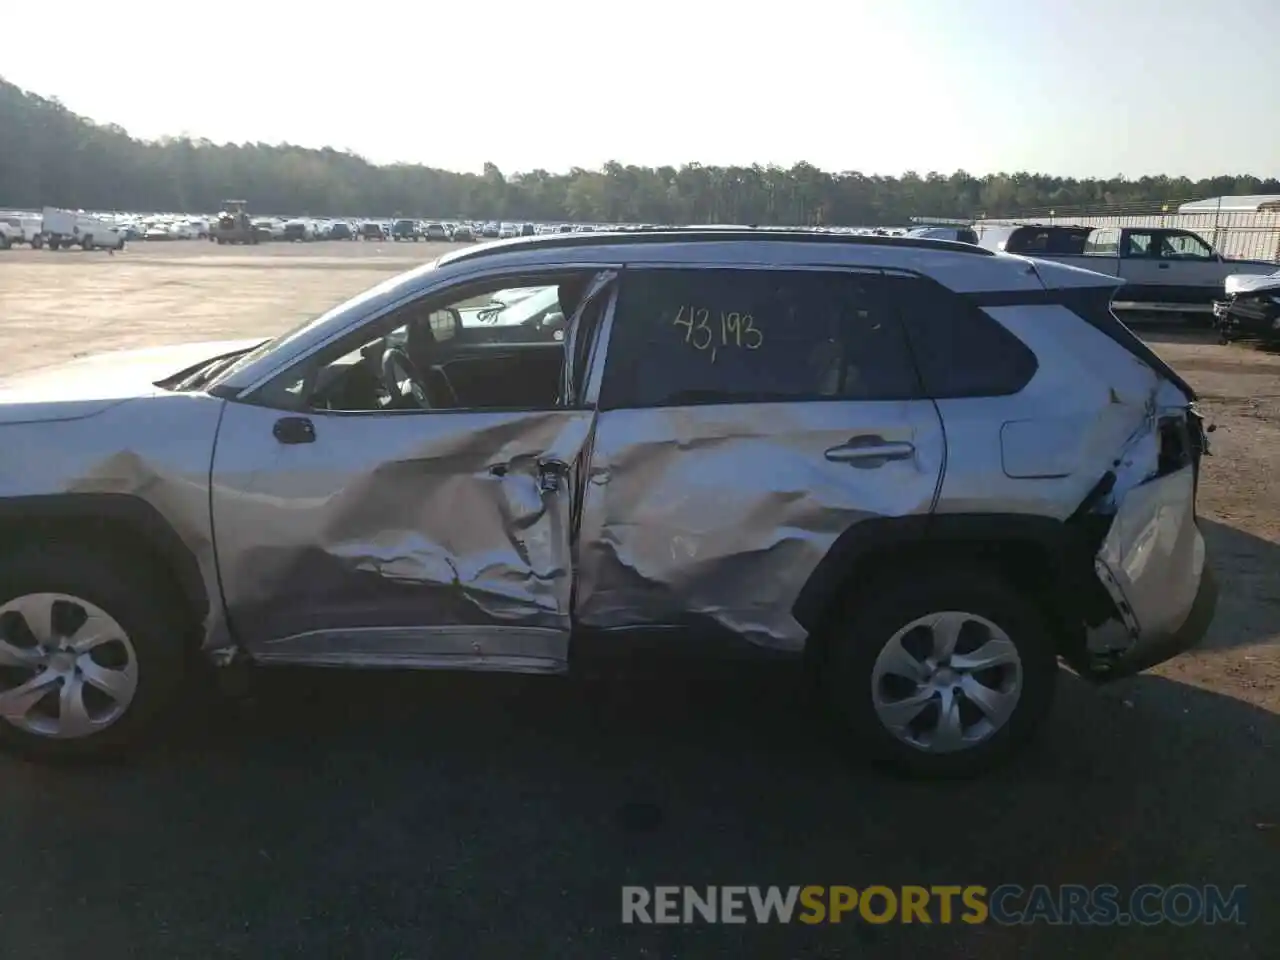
(704, 235)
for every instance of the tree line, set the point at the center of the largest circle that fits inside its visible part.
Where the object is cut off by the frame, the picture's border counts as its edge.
(51, 156)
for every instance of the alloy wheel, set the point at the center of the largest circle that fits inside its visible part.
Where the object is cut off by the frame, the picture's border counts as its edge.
(67, 669)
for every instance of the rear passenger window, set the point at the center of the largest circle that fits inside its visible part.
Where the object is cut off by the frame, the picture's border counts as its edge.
(685, 336)
(960, 350)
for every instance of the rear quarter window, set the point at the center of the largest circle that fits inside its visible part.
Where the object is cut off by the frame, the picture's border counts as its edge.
(959, 350)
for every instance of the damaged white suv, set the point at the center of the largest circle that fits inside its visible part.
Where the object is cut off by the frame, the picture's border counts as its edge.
(931, 470)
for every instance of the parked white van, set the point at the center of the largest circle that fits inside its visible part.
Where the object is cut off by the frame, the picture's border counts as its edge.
(72, 228)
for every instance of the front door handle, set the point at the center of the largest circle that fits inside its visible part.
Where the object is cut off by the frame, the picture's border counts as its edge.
(551, 473)
(294, 430)
(1163, 266)
(870, 451)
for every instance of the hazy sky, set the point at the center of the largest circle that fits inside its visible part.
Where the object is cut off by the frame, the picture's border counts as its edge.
(1082, 88)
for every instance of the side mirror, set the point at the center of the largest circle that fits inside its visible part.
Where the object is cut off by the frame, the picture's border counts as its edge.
(445, 323)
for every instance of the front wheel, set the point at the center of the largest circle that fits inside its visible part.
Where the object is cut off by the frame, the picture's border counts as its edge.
(943, 673)
(90, 652)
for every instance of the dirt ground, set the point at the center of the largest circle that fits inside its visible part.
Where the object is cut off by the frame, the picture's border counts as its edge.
(424, 812)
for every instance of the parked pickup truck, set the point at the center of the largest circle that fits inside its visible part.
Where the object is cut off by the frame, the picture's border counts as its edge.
(1163, 269)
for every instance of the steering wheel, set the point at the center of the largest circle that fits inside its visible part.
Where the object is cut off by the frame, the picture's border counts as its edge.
(401, 378)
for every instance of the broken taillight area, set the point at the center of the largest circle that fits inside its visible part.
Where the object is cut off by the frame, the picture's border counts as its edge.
(1176, 449)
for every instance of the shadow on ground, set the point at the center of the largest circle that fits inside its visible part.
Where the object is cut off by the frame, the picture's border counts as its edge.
(1248, 574)
(385, 815)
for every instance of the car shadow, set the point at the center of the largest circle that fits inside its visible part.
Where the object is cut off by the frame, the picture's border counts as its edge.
(382, 814)
(1248, 575)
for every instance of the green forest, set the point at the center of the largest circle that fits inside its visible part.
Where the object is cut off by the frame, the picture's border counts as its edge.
(51, 156)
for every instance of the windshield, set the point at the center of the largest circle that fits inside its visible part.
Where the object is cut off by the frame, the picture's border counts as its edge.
(336, 317)
(524, 310)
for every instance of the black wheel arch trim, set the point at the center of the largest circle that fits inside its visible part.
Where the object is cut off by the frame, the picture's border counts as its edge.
(132, 512)
(1067, 545)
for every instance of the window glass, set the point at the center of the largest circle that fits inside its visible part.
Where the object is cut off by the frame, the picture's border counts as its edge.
(1047, 240)
(1105, 243)
(742, 336)
(1138, 245)
(960, 350)
(1184, 246)
(476, 351)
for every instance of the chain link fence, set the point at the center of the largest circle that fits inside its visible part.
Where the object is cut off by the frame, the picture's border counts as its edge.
(1240, 235)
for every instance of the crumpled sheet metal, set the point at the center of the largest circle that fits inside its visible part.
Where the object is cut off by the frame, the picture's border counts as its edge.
(1246, 283)
(698, 511)
(1152, 558)
(452, 519)
(165, 464)
(1155, 554)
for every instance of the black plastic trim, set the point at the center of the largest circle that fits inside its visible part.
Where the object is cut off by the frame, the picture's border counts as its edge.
(867, 538)
(136, 514)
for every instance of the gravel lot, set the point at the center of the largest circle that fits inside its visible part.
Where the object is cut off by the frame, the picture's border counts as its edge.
(408, 816)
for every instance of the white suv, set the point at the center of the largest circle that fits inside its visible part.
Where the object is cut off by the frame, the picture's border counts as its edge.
(931, 470)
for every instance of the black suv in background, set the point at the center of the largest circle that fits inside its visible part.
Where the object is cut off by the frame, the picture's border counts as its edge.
(406, 230)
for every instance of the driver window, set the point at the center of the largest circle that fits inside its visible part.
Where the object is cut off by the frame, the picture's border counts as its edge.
(1184, 246)
(493, 348)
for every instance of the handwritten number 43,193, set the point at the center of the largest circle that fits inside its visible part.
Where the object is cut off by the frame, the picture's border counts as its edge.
(734, 329)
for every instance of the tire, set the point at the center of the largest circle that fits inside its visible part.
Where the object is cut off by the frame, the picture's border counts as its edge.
(37, 243)
(155, 630)
(4, 242)
(851, 670)
(54, 244)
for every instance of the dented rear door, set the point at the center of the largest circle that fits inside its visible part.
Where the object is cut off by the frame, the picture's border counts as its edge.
(749, 418)
(411, 538)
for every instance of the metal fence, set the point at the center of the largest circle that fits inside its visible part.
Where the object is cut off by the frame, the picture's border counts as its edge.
(1235, 234)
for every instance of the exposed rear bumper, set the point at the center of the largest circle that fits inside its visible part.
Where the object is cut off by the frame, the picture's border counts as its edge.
(1154, 566)
(1149, 652)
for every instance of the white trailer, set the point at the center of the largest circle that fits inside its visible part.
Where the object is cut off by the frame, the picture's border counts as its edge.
(75, 228)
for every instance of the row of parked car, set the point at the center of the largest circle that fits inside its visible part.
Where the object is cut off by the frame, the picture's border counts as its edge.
(58, 228)
(412, 230)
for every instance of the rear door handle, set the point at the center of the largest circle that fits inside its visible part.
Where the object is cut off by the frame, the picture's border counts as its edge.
(1163, 266)
(870, 451)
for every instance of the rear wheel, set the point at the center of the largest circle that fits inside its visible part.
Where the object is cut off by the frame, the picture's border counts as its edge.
(90, 653)
(944, 673)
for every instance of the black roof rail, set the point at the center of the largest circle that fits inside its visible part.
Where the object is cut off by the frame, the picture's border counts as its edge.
(704, 235)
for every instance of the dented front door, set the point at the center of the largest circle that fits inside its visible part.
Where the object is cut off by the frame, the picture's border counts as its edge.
(413, 538)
